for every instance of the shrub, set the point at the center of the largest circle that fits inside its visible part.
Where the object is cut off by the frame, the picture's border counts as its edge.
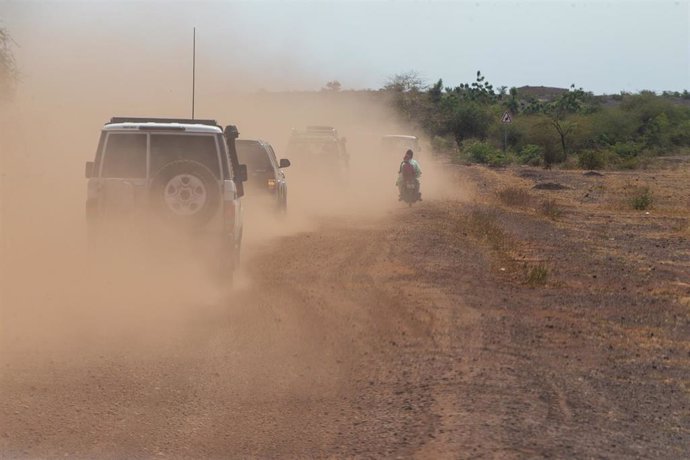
(499, 159)
(537, 275)
(627, 149)
(629, 163)
(482, 152)
(541, 133)
(591, 159)
(681, 135)
(641, 199)
(531, 155)
(484, 225)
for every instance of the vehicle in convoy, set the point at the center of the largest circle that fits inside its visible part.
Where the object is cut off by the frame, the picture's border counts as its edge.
(264, 170)
(398, 144)
(179, 174)
(319, 148)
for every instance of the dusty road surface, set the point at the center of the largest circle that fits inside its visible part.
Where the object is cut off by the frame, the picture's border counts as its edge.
(548, 323)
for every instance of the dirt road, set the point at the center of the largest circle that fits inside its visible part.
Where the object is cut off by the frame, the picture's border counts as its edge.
(423, 332)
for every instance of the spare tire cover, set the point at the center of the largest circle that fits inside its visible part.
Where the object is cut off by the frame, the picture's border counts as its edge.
(185, 192)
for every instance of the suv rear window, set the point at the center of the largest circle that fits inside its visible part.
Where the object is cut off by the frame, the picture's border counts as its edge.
(166, 148)
(125, 156)
(313, 146)
(253, 155)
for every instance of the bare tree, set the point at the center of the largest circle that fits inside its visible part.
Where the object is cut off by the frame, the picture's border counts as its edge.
(332, 86)
(404, 82)
(8, 66)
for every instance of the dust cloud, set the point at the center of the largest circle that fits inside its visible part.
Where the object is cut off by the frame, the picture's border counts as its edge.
(61, 297)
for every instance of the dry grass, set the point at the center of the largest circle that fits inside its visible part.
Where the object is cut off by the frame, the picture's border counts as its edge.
(514, 196)
(550, 209)
(484, 225)
(537, 275)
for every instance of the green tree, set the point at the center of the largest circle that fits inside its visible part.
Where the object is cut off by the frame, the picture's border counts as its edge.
(480, 91)
(436, 92)
(512, 103)
(559, 110)
(467, 119)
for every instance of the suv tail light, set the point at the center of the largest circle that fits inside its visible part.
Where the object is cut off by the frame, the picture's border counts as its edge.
(271, 184)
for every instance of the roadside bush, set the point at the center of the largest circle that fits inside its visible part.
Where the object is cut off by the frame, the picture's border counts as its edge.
(628, 163)
(627, 149)
(531, 155)
(615, 161)
(591, 159)
(482, 152)
(500, 159)
(641, 199)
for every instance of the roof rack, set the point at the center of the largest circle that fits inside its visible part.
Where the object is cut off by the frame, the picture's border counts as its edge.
(320, 128)
(161, 120)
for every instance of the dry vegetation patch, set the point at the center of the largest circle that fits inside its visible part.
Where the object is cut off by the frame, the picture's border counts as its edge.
(514, 196)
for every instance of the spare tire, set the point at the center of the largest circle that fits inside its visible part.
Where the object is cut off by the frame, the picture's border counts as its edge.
(184, 192)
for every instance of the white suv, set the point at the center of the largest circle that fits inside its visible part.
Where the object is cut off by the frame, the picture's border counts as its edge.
(182, 173)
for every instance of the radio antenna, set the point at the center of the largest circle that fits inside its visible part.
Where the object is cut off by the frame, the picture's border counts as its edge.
(193, 69)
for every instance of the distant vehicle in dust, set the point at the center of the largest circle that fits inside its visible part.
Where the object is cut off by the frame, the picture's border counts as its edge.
(264, 170)
(398, 144)
(319, 148)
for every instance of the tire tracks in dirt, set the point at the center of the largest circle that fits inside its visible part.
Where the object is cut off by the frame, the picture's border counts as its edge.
(390, 337)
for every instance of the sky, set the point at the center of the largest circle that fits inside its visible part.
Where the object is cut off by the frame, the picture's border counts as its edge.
(603, 46)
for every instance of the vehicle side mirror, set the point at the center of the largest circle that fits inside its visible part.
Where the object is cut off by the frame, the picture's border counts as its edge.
(242, 173)
(284, 163)
(89, 169)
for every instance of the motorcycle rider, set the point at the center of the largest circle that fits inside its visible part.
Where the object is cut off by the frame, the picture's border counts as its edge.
(408, 167)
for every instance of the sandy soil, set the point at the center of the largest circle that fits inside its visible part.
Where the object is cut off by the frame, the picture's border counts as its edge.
(461, 327)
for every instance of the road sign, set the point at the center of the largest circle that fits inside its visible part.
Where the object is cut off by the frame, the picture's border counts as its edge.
(506, 118)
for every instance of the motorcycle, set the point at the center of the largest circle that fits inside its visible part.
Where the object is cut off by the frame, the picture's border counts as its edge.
(409, 191)
(408, 183)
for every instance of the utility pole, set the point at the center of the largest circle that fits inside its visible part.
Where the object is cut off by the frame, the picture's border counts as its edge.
(193, 69)
(506, 119)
